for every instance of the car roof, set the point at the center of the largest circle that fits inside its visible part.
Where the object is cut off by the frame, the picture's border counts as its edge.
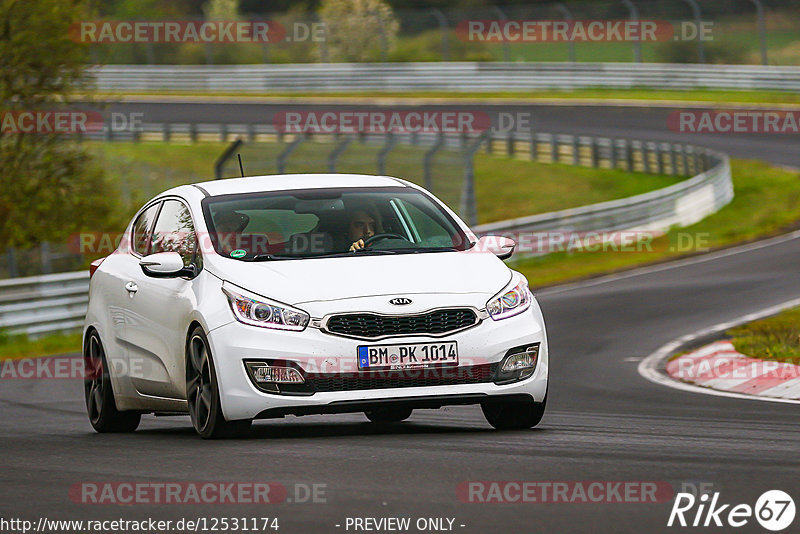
(286, 182)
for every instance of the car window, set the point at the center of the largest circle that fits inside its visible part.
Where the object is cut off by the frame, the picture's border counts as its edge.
(174, 231)
(321, 222)
(141, 229)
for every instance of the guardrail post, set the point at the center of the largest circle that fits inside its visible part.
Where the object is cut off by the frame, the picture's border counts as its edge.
(595, 155)
(427, 161)
(166, 132)
(47, 263)
(569, 18)
(685, 160)
(762, 30)
(391, 141)
(612, 154)
(659, 158)
(442, 20)
(701, 52)
(673, 160)
(11, 255)
(506, 49)
(553, 148)
(534, 147)
(224, 157)
(291, 147)
(336, 152)
(251, 133)
(645, 158)
(637, 43)
(509, 145)
(469, 210)
(628, 156)
(223, 132)
(576, 155)
(193, 132)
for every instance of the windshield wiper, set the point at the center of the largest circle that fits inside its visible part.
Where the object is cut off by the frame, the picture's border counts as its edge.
(271, 257)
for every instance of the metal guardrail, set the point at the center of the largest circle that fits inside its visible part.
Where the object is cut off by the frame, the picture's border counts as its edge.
(52, 303)
(44, 304)
(446, 76)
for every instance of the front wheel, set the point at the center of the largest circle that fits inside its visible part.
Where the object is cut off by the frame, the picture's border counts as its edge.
(100, 404)
(514, 415)
(202, 392)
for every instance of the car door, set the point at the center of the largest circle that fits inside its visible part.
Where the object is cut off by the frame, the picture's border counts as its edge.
(159, 309)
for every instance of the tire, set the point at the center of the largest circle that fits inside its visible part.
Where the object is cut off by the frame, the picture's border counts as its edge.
(99, 394)
(388, 415)
(514, 415)
(202, 392)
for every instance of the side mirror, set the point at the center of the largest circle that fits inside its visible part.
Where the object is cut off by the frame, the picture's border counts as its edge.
(165, 265)
(502, 247)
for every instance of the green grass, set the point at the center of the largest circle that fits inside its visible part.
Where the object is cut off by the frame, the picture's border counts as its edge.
(505, 188)
(767, 202)
(774, 338)
(709, 96)
(20, 346)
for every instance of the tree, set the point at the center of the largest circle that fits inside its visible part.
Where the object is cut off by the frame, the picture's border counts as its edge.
(49, 186)
(357, 30)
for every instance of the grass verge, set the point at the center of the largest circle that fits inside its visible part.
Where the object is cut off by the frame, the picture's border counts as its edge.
(14, 347)
(767, 202)
(775, 338)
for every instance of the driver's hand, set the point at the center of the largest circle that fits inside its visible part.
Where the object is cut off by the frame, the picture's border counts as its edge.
(357, 245)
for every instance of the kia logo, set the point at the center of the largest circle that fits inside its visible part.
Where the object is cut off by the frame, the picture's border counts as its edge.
(401, 301)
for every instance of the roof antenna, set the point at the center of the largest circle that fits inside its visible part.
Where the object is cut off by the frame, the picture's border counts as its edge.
(241, 169)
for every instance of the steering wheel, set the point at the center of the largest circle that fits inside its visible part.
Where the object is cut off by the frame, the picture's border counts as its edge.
(378, 237)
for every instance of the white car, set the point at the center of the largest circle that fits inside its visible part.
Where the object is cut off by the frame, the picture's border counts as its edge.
(268, 296)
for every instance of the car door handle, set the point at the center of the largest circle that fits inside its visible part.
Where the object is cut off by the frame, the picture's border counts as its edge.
(131, 288)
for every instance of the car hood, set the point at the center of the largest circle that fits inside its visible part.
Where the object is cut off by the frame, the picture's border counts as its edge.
(324, 279)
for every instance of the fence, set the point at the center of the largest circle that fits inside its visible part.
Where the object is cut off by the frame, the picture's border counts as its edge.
(444, 77)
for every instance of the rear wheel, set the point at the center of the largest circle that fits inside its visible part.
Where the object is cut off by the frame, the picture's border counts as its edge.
(514, 415)
(202, 392)
(388, 415)
(99, 394)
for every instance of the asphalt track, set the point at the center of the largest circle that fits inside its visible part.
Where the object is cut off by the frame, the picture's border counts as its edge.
(604, 423)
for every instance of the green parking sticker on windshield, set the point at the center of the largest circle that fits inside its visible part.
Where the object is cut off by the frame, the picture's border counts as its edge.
(238, 253)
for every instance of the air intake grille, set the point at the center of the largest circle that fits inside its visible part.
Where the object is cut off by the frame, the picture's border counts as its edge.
(370, 325)
(475, 374)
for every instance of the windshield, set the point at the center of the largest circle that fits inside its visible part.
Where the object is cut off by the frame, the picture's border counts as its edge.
(329, 222)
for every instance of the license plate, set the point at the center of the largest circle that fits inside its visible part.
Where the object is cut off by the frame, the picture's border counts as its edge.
(407, 356)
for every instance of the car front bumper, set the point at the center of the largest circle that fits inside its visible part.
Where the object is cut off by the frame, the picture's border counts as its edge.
(317, 352)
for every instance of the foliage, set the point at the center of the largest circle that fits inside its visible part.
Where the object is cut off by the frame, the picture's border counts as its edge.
(357, 30)
(48, 185)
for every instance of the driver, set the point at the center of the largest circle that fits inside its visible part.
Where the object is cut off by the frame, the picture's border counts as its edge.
(360, 228)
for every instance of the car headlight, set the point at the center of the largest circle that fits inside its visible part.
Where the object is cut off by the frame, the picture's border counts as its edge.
(510, 302)
(259, 311)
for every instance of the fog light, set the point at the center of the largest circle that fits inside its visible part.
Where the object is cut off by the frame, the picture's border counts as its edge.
(265, 374)
(519, 363)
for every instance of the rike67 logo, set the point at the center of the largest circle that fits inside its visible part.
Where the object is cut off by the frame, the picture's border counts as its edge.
(774, 510)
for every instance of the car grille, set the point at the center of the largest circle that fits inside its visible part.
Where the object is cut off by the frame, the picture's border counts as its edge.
(370, 325)
(441, 376)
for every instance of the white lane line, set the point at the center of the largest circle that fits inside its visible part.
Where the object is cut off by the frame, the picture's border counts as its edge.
(649, 368)
(711, 256)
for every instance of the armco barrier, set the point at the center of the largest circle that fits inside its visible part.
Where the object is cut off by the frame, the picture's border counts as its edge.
(448, 76)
